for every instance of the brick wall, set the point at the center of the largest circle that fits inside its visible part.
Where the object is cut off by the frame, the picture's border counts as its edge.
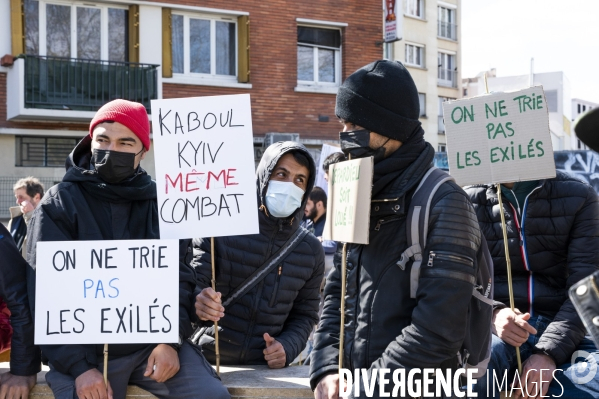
(276, 107)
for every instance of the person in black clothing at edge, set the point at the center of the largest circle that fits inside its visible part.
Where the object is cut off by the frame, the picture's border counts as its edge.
(106, 195)
(385, 328)
(25, 360)
(271, 323)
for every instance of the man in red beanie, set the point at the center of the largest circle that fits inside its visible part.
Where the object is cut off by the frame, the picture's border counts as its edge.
(106, 195)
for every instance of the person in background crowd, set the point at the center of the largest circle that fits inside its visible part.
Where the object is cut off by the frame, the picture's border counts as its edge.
(331, 159)
(384, 327)
(28, 193)
(25, 360)
(316, 216)
(270, 323)
(106, 195)
(553, 235)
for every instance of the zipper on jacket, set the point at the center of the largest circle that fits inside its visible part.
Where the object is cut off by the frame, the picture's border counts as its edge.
(384, 221)
(273, 298)
(525, 255)
(448, 256)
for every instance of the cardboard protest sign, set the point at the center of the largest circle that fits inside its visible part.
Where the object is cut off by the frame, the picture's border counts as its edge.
(348, 202)
(204, 152)
(499, 138)
(326, 150)
(107, 292)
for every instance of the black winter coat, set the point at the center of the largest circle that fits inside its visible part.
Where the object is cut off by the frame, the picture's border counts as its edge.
(24, 356)
(384, 327)
(285, 303)
(83, 207)
(555, 245)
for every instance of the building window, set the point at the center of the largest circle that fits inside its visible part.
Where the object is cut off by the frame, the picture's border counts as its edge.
(415, 8)
(43, 151)
(422, 101)
(204, 45)
(441, 123)
(415, 55)
(442, 147)
(76, 30)
(447, 75)
(318, 56)
(446, 27)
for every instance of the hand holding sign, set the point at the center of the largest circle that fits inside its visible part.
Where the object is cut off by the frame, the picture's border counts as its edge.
(90, 385)
(209, 305)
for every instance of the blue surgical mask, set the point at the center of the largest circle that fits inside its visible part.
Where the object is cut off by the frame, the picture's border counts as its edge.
(283, 198)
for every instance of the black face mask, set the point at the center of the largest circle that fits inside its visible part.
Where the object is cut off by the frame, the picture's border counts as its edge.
(357, 145)
(114, 166)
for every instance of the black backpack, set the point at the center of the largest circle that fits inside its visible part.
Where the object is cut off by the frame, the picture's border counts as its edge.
(476, 348)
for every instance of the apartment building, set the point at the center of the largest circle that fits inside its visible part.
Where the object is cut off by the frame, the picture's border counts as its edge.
(63, 59)
(430, 49)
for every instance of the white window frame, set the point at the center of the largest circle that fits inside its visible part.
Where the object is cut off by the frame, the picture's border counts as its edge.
(451, 14)
(420, 47)
(316, 85)
(212, 76)
(442, 147)
(423, 108)
(447, 55)
(422, 9)
(103, 7)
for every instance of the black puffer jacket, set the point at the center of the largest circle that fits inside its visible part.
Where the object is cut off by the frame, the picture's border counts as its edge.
(24, 356)
(384, 327)
(83, 207)
(560, 242)
(285, 303)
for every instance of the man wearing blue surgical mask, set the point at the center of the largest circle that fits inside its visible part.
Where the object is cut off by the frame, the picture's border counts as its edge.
(270, 323)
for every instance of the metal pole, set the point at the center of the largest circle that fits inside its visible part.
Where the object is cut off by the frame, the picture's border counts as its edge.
(508, 266)
(216, 346)
(343, 283)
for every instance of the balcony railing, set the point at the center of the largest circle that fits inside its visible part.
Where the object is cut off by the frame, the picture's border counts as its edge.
(447, 30)
(86, 85)
(441, 125)
(447, 77)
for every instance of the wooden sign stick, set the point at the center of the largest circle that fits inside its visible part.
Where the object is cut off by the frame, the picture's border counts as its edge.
(216, 346)
(343, 283)
(106, 365)
(508, 264)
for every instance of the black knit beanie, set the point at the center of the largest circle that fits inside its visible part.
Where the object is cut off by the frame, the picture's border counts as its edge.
(382, 98)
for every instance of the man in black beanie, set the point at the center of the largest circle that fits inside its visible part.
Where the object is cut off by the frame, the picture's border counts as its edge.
(385, 327)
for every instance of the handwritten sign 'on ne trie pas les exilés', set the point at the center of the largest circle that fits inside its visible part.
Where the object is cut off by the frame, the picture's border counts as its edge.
(348, 203)
(204, 155)
(499, 138)
(107, 292)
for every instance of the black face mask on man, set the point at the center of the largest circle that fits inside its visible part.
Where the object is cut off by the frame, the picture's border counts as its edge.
(356, 144)
(114, 166)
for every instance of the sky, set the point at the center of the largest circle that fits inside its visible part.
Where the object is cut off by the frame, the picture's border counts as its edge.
(559, 35)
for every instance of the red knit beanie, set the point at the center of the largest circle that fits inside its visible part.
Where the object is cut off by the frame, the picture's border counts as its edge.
(131, 114)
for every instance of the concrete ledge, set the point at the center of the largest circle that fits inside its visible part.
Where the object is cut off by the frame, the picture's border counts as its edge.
(243, 382)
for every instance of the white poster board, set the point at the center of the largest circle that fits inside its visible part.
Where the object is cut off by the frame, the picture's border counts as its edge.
(204, 154)
(326, 150)
(499, 138)
(348, 202)
(393, 16)
(107, 292)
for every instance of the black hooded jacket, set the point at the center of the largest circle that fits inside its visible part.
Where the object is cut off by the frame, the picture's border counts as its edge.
(84, 207)
(24, 356)
(384, 327)
(552, 246)
(285, 303)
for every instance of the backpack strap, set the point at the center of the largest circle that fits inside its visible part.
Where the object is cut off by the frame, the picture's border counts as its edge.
(417, 222)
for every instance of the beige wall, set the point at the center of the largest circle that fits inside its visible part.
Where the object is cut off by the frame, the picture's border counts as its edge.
(424, 32)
